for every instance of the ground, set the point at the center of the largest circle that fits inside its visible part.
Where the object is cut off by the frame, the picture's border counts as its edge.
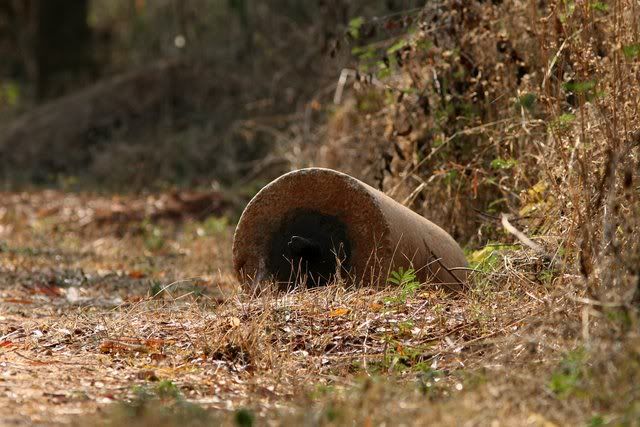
(104, 316)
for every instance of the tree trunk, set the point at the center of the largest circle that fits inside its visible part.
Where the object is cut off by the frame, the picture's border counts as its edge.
(62, 47)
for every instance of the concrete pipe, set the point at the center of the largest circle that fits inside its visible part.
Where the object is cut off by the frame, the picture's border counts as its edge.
(312, 224)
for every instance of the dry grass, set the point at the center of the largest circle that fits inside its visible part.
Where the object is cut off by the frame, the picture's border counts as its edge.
(91, 318)
(144, 323)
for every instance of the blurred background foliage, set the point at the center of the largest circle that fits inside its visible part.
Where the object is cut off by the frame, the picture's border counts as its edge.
(135, 94)
(460, 110)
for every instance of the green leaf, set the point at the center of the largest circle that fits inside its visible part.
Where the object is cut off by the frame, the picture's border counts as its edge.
(631, 51)
(397, 46)
(499, 163)
(409, 90)
(407, 281)
(354, 27)
(364, 52)
(527, 100)
(567, 118)
(424, 45)
(451, 176)
(167, 389)
(563, 121)
(569, 7)
(383, 73)
(600, 6)
(579, 87)
(11, 93)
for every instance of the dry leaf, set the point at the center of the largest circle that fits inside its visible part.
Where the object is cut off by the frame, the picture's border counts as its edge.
(339, 312)
(127, 345)
(375, 306)
(49, 290)
(136, 274)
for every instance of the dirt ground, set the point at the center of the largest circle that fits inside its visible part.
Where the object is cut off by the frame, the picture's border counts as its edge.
(77, 325)
(100, 312)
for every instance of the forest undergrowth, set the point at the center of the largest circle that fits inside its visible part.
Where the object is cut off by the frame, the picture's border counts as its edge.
(513, 125)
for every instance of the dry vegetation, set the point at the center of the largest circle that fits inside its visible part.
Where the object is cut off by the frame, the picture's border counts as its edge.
(97, 312)
(481, 109)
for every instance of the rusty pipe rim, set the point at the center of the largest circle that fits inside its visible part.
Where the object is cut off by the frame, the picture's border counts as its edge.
(312, 191)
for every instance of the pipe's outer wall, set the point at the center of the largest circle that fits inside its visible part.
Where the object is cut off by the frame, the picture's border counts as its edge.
(384, 234)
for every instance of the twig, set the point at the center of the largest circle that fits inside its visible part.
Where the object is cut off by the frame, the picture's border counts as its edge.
(521, 236)
(547, 74)
(592, 302)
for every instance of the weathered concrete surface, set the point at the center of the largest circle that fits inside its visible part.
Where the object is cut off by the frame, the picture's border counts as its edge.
(299, 215)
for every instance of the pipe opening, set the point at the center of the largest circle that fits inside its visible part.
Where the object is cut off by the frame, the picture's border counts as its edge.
(308, 245)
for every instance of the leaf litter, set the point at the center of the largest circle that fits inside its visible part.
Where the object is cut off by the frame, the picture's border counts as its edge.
(78, 333)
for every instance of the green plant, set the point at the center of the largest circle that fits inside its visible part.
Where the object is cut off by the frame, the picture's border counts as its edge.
(244, 418)
(354, 27)
(152, 236)
(429, 382)
(406, 282)
(568, 377)
(631, 51)
(500, 163)
(546, 276)
(404, 328)
(527, 101)
(10, 94)
(155, 289)
(167, 389)
(487, 258)
(213, 226)
(600, 6)
(563, 122)
(332, 414)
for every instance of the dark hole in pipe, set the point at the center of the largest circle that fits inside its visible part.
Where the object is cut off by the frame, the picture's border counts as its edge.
(308, 245)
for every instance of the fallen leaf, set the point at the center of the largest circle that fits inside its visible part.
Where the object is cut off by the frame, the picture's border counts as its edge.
(112, 346)
(154, 343)
(48, 211)
(49, 290)
(339, 312)
(136, 274)
(375, 306)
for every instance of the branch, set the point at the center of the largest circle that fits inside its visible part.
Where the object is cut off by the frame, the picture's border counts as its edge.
(521, 236)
